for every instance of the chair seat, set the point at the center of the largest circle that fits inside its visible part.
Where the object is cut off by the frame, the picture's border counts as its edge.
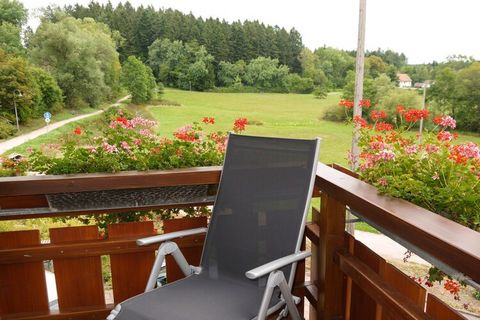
(196, 297)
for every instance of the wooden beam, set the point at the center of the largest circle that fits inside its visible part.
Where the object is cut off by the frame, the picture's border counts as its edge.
(330, 278)
(84, 249)
(379, 289)
(447, 241)
(90, 313)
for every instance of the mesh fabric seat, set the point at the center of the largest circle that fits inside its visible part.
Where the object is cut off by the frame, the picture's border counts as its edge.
(258, 216)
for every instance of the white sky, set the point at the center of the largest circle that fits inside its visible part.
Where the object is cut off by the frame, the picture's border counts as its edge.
(425, 30)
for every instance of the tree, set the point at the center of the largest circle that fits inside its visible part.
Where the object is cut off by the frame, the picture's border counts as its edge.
(266, 74)
(49, 95)
(296, 84)
(12, 17)
(81, 55)
(309, 62)
(335, 64)
(13, 11)
(443, 90)
(138, 79)
(228, 73)
(10, 38)
(374, 66)
(468, 98)
(185, 66)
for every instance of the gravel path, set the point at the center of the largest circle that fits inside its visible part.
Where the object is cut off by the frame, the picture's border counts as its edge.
(14, 142)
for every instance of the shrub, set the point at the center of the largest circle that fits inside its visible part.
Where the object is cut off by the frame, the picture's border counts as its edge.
(320, 92)
(334, 113)
(7, 129)
(138, 79)
(434, 172)
(296, 84)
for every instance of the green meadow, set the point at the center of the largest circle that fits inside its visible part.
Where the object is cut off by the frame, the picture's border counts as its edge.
(270, 114)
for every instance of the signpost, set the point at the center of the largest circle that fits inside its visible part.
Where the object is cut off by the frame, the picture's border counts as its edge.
(47, 116)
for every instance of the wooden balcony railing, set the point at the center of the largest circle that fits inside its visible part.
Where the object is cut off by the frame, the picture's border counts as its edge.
(347, 279)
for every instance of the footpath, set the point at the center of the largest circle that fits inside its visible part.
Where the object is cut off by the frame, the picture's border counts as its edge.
(14, 142)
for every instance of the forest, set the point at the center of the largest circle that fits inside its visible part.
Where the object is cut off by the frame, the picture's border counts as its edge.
(86, 55)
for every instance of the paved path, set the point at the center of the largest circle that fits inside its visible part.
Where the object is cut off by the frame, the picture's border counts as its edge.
(12, 143)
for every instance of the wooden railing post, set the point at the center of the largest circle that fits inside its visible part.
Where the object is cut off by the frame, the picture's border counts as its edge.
(330, 277)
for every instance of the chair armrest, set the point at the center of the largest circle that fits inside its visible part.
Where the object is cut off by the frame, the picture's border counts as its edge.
(170, 236)
(276, 264)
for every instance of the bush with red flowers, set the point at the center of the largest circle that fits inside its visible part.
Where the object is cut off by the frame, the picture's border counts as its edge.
(130, 143)
(434, 171)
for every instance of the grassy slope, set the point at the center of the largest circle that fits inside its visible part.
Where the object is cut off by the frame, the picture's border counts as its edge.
(285, 115)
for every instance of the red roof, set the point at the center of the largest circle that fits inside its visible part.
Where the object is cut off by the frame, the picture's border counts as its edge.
(403, 77)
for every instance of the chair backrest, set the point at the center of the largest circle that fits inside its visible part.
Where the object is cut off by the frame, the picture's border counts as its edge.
(261, 206)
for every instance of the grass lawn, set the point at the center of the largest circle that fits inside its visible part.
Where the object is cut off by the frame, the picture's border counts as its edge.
(285, 115)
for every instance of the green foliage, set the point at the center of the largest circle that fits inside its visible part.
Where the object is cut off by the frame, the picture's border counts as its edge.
(13, 11)
(443, 90)
(266, 74)
(138, 79)
(374, 66)
(81, 56)
(389, 57)
(7, 129)
(431, 173)
(49, 96)
(320, 92)
(457, 92)
(467, 93)
(476, 295)
(10, 38)
(230, 42)
(230, 73)
(335, 64)
(335, 113)
(185, 66)
(18, 87)
(31, 89)
(406, 98)
(296, 84)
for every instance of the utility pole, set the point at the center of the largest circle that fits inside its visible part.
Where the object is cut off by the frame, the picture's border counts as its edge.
(423, 108)
(357, 109)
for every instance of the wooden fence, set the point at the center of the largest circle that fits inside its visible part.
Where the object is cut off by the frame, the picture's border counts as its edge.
(348, 280)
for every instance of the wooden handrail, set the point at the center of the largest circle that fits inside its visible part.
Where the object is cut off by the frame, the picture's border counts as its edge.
(449, 242)
(31, 185)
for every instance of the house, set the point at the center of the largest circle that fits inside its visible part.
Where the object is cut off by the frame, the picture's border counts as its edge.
(404, 80)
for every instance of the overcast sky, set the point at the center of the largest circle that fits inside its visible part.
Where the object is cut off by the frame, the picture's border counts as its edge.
(425, 30)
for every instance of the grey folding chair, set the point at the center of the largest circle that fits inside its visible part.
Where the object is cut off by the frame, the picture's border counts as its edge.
(253, 240)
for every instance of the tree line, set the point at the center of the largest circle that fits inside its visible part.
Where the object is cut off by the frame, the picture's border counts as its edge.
(75, 59)
(141, 26)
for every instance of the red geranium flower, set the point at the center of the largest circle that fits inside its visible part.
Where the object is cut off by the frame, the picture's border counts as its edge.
(239, 124)
(383, 126)
(77, 131)
(208, 120)
(413, 115)
(346, 103)
(377, 115)
(365, 103)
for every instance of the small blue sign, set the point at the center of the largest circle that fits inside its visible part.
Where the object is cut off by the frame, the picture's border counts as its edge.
(47, 115)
